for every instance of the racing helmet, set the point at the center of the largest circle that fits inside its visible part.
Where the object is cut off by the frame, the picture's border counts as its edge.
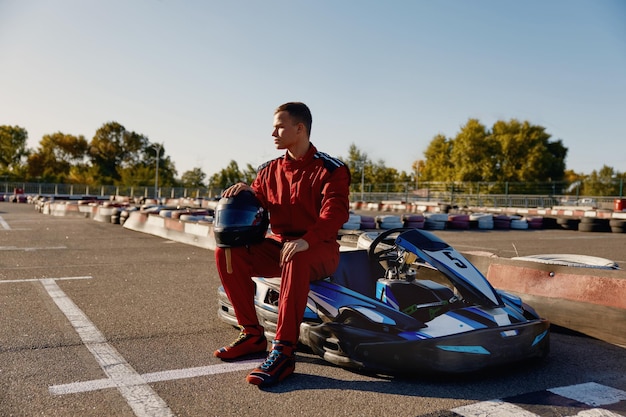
(239, 220)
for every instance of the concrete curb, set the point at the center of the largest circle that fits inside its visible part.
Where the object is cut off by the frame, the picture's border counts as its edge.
(198, 234)
(589, 301)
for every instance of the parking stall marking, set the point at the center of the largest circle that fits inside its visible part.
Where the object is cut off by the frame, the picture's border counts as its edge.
(94, 385)
(30, 249)
(16, 281)
(585, 399)
(581, 400)
(134, 387)
(591, 393)
(143, 400)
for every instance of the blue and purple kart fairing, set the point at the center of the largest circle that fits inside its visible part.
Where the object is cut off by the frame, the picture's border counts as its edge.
(404, 301)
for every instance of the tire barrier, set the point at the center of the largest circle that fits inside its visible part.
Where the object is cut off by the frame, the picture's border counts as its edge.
(594, 224)
(415, 221)
(193, 224)
(483, 221)
(353, 223)
(519, 223)
(535, 222)
(435, 221)
(568, 223)
(502, 222)
(458, 222)
(368, 222)
(617, 225)
(387, 222)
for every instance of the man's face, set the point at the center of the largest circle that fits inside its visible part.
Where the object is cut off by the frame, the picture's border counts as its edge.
(285, 130)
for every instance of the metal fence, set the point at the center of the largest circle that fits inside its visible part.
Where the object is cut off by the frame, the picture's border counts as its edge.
(103, 190)
(453, 194)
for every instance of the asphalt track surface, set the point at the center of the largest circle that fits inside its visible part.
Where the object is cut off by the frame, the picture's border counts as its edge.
(98, 320)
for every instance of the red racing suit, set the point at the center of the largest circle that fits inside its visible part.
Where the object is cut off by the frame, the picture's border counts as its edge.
(306, 198)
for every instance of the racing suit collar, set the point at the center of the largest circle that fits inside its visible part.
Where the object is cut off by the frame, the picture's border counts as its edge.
(306, 157)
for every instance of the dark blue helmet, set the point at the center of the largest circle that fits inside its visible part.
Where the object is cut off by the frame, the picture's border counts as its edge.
(239, 221)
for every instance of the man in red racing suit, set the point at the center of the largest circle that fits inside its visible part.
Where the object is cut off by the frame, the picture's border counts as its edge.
(306, 194)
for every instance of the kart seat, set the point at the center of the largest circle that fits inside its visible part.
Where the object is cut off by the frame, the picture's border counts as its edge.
(355, 272)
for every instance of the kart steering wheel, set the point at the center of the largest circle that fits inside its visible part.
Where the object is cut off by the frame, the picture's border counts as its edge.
(384, 255)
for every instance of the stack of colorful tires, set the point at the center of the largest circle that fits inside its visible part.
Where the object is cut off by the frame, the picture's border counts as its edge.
(389, 222)
(189, 214)
(115, 216)
(125, 213)
(166, 212)
(535, 222)
(196, 218)
(435, 221)
(458, 222)
(518, 223)
(415, 221)
(353, 223)
(594, 224)
(482, 221)
(617, 225)
(568, 223)
(501, 222)
(368, 222)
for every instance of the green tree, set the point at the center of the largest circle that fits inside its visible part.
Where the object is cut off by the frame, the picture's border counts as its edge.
(167, 169)
(360, 166)
(55, 157)
(386, 178)
(472, 153)
(511, 152)
(193, 178)
(13, 150)
(604, 182)
(438, 165)
(227, 177)
(141, 175)
(83, 173)
(249, 174)
(141, 170)
(406, 179)
(525, 155)
(123, 157)
(113, 148)
(418, 169)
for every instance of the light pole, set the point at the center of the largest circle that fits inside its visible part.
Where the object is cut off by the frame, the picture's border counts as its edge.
(362, 166)
(157, 147)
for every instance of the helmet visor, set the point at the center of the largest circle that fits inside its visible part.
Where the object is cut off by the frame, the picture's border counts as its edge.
(238, 217)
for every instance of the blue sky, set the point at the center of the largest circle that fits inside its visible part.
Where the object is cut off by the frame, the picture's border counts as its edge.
(203, 77)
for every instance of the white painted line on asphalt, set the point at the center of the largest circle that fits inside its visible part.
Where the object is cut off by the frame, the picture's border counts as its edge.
(14, 281)
(98, 384)
(591, 393)
(4, 224)
(596, 412)
(32, 249)
(495, 408)
(143, 400)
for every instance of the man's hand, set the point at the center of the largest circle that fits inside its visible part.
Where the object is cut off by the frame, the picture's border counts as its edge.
(290, 248)
(236, 189)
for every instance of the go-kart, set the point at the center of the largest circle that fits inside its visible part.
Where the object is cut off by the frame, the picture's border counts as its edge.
(404, 301)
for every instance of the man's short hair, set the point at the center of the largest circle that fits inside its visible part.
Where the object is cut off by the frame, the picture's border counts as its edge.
(299, 112)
